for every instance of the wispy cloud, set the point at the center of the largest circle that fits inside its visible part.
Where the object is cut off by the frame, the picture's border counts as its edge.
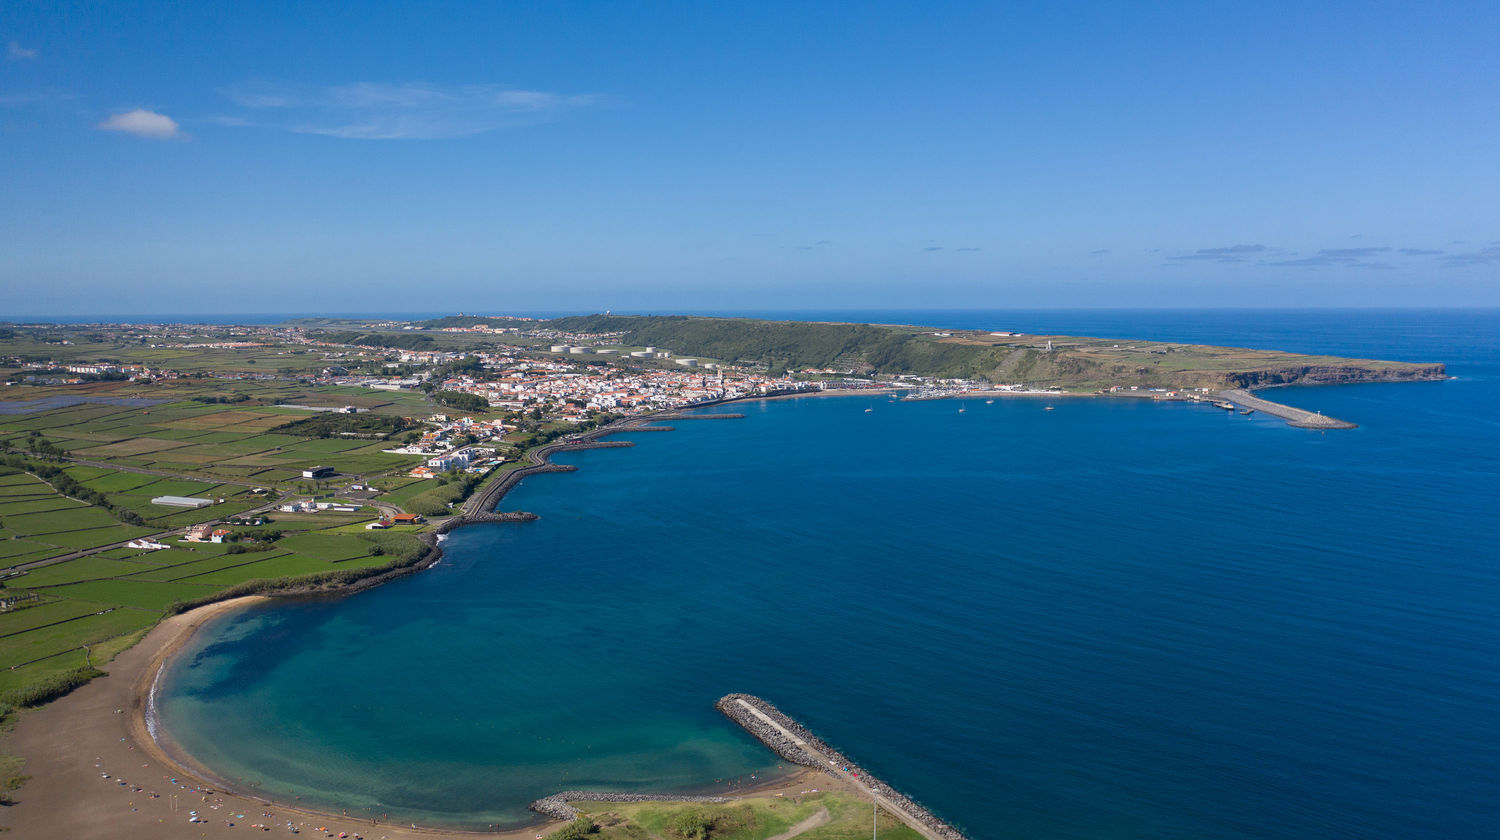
(1099, 252)
(933, 248)
(15, 52)
(1489, 255)
(404, 111)
(1225, 254)
(1351, 253)
(143, 123)
(1417, 252)
(1343, 257)
(969, 249)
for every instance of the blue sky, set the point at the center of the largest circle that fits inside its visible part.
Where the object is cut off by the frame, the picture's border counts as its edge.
(269, 156)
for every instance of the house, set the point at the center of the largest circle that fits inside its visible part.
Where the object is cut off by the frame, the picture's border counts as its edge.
(406, 519)
(146, 545)
(317, 472)
(422, 472)
(218, 535)
(379, 524)
(454, 461)
(199, 533)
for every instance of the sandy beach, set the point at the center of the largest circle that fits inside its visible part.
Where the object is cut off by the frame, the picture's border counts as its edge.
(96, 772)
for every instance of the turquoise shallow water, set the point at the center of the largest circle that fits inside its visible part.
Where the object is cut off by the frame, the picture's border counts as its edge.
(1109, 620)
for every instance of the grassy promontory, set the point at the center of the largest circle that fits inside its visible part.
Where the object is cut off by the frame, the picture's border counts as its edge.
(1068, 362)
(825, 815)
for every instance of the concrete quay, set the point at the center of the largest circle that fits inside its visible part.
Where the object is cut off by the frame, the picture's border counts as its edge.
(1293, 416)
(795, 744)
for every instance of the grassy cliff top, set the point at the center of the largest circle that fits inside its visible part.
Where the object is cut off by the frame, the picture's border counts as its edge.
(1072, 362)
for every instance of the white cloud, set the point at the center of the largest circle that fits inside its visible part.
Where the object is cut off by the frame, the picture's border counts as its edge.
(404, 111)
(16, 52)
(143, 123)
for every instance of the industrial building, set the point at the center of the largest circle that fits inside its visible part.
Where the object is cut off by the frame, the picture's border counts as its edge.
(181, 501)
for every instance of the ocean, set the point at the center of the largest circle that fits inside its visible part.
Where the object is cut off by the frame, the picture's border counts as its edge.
(1114, 619)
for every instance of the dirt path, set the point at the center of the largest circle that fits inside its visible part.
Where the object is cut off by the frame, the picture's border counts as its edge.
(842, 774)
(817, 820)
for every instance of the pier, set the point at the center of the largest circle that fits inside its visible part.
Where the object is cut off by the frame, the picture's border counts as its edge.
(1293, 416)
(795, 744)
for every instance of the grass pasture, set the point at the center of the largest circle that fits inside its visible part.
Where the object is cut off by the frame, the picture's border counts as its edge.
(79, 569)
(71, 634)
(324, 546)
(756, 818)
(38, 505)
(203, 566)
(94, 537)
(59, 521)
(106, 599)
(146, 595)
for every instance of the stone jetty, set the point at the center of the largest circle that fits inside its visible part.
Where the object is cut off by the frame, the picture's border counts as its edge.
(1293, 416)
(794, 743)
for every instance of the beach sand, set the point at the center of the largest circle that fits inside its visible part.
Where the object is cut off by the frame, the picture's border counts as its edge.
(94, 768)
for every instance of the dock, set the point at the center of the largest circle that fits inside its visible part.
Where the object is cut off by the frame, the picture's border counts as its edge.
(795, 744)
(1293, 416)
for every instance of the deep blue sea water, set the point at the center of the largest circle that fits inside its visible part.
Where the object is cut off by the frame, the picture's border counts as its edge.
(1114, 619)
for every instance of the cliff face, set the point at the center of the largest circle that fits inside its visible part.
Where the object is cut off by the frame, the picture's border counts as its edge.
(1332, 375)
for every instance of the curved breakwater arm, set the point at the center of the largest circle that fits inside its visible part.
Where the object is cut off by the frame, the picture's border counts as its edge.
(796, 744)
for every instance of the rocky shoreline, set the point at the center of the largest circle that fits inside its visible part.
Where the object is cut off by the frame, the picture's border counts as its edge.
(794, 743)
(556, 806)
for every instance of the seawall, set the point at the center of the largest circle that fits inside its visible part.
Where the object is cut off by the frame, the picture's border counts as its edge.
(794, 743)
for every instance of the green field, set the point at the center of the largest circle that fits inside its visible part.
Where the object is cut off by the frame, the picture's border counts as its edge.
(134, 588)
(59, 638)
(843, 816)
(206, 437)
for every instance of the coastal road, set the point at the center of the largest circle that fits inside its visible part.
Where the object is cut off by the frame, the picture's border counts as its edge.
(837, 770)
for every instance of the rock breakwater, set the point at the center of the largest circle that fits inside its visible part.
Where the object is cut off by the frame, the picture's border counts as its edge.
(796, 744)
